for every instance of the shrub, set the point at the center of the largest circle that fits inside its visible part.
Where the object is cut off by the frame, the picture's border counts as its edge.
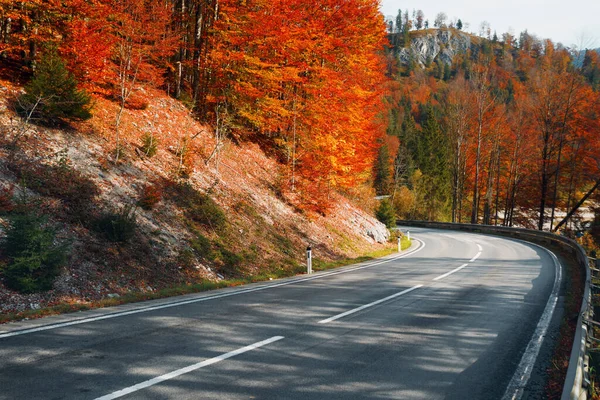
(198, 207)
(231, 262)
(34, 260)
(118, 227)
(6, 199)
(52, 95)
(386, 214)
(151, 196)
(149, 144)
(137, 102)
(203, 247)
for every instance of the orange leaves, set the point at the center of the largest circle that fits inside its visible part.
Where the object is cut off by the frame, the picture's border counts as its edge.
(310, 75)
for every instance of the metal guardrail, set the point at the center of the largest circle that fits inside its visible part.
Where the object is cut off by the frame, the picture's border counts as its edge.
(577, 379)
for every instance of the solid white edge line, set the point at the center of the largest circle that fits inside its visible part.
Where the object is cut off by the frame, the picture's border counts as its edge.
(355, 310)
(190, 368)
(479, 247)
(476, 257)
(514, 390)
(451, 272)
(207, 298)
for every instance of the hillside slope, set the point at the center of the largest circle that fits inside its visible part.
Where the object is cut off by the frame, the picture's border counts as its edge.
(197, 217)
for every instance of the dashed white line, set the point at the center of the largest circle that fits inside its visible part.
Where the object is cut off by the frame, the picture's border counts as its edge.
(451, 272)
(174, 374)
(476, 257)
(479, 247)
(344, 314)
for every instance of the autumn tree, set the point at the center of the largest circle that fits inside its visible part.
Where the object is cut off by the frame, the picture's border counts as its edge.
(140, 47)
(457, 122)
(440, 20)
(484, 99)
(311, 84)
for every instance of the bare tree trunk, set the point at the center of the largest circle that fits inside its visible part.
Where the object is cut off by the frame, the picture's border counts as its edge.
(475, 208)
(497, 187)
(579, 203)
(545, 178)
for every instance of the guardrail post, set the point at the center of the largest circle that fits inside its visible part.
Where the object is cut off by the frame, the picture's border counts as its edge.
(308, 260)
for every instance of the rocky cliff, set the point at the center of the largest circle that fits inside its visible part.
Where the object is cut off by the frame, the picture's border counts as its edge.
(429, 45)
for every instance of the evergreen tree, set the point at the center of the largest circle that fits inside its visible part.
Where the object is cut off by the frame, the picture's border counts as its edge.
(447, 72)
(399, 22)
(386, 214)
(459, 24)
(408, 135)
(52, 95)
(439, 69)
(433, 163)
(34, 260)
(382, 171)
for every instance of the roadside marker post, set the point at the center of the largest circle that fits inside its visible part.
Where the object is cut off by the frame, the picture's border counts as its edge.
(399, 244)
(309, 260)
(408, 234)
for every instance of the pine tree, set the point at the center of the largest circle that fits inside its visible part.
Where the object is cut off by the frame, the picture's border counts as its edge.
(447, 72)
(382, 171)
(34, 260)
(52, 95)
(459, 24)
(386, 214)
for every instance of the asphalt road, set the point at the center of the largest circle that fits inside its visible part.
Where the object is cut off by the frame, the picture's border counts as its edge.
(449, 319)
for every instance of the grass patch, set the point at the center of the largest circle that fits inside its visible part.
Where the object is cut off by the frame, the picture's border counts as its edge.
(319, 265)
(198, 207)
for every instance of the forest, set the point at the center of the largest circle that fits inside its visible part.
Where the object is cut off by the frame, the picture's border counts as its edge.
(506, 134)
(305, 81)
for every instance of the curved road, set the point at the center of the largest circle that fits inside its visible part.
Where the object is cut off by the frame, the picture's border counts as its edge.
(449, 319)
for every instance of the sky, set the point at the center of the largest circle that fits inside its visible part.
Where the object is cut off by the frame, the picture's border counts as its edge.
(572, 23)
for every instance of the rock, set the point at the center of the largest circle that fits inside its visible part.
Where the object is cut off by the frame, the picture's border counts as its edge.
(113, 296)
(35, 306)
(444, 44)
(220, 276)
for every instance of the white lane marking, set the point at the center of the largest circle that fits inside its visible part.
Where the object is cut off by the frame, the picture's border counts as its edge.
(476, 257)
(517, 384)
(451, 272)
(206, 298)
(342, 315)
(479, 247)
(174, 374)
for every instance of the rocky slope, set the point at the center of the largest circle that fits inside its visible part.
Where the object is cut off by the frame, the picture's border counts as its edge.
(432, 44)
(253, 228)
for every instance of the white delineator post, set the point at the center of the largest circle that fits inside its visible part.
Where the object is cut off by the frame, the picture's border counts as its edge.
(399, 244)
(308, 260)
(408, 234)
